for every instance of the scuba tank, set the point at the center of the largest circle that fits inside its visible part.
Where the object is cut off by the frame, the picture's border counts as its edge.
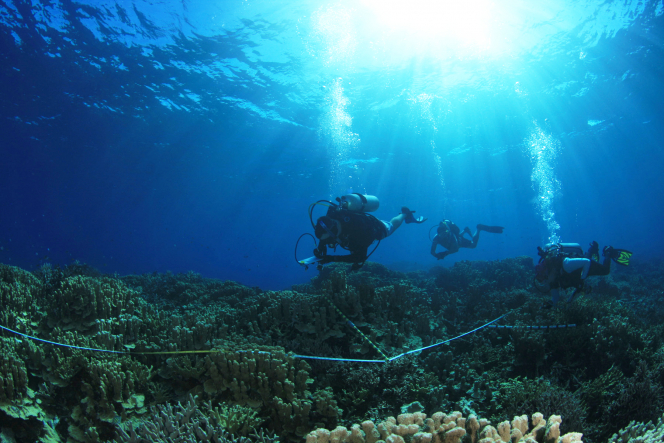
(566, 249)
(547, 261)
(358, 202)
(552, 251)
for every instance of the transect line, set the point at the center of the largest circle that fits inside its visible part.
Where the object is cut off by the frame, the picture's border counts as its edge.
(209, 351)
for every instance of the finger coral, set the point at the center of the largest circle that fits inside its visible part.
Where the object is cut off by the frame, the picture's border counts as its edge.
(452, 428)
(13, 373)
(82, 301)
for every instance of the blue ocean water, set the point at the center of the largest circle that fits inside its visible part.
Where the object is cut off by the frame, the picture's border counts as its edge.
(154, 136)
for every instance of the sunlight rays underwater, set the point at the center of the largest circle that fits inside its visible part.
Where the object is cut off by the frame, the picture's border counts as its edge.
(468, 31)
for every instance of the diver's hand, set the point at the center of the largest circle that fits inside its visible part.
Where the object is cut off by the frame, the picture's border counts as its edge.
(356, 266)
(441, 255)
(317, 253)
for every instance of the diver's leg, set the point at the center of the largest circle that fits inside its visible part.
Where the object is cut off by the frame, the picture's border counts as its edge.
(464, 242)
(476, 238)
(555, 295)
(472, 244)
(603, 269)
(396, 221)
(572, 264)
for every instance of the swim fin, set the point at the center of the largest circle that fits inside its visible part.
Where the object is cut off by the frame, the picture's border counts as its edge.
(492, 229)
(409, 216)
(593, 251)
(622, 256)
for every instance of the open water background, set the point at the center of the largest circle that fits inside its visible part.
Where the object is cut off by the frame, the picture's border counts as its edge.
(193, 135)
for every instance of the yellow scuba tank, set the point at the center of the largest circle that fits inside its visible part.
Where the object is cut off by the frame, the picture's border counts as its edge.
(359, 203)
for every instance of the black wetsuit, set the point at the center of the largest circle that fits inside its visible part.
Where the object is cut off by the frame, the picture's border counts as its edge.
(358, 231)
(573, 279)
(450, 237)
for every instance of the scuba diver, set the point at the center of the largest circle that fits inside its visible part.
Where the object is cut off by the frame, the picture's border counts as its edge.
(449, 236)
(564, 265)
(350, 226)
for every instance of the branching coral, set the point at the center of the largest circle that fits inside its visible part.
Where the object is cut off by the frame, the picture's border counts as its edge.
(526, 395)
(187, 423)
(639, 432)
(235, 419)
(616, 399)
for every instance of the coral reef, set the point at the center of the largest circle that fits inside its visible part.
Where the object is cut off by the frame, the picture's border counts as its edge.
(217, 361)
(187, 423)
(523, 394)
(640, 432)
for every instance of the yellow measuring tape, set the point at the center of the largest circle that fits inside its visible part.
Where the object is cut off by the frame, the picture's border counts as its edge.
(386, 359)
(361, 333)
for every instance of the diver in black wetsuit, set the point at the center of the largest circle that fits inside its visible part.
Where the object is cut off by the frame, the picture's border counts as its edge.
(563, 266)
(354, 231)
(450, 237)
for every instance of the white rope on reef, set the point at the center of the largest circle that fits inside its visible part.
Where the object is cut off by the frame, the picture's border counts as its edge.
(534, 327)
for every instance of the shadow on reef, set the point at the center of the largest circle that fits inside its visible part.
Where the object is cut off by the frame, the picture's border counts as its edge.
(246, 382)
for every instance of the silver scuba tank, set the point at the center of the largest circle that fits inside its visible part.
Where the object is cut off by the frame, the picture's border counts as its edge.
(569, 249)
(359, 202)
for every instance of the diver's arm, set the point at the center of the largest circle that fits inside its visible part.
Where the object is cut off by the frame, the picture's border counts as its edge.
(358, 256)
(452, 247)
(353, 257)
(341, 259)
(439, 255)
(434, 243)
(321, 249)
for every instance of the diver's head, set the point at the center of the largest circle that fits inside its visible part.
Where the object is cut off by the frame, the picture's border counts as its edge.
(326, 227)
(442, 228)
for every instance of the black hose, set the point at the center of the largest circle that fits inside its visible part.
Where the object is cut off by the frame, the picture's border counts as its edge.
(311, 210)
(434, 226)
(374, 250)
(298, 242)
(313, 225)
